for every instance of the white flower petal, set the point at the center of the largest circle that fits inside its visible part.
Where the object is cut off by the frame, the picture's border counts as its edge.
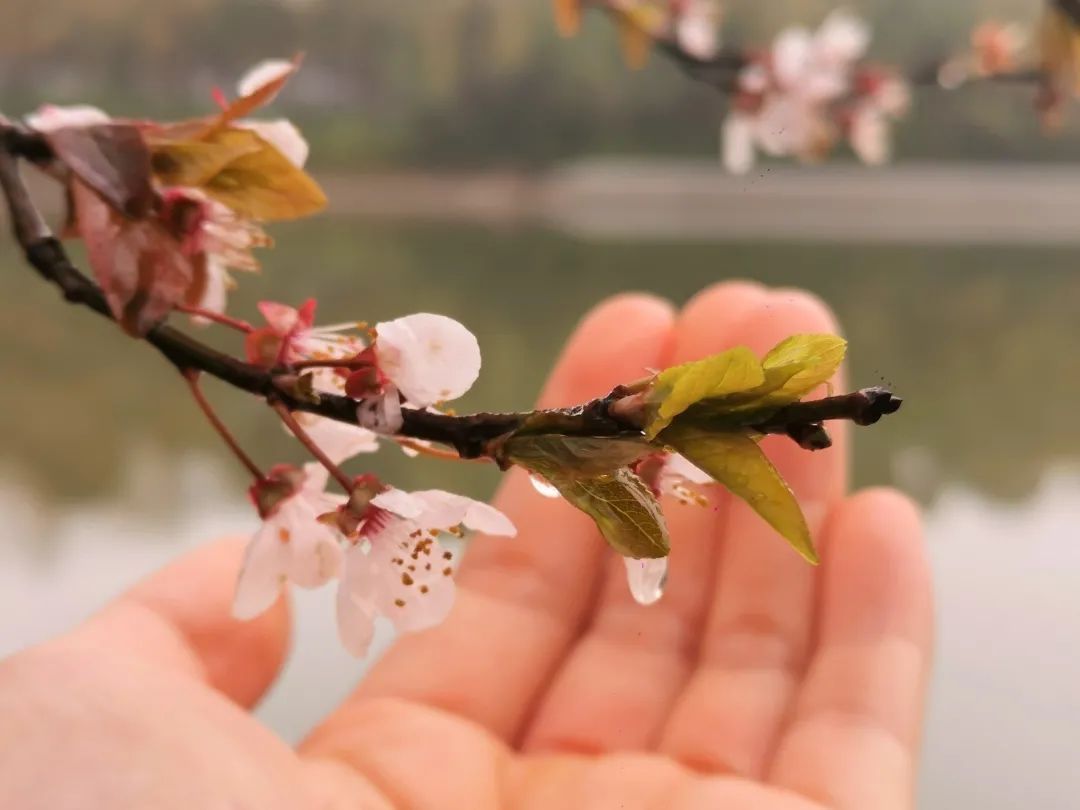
(50, 117)
(215, 290)
(283, 135)
(697, 28)
(262, 74)
(429, 358)
(842, 37)
(678, 466)
(737, 143)
(443, 510)
(355, 613)
(338, 440)
(411, 577)
(314, 551)
(262, 574)
(870, 137)
(401, 503)
(791, 54)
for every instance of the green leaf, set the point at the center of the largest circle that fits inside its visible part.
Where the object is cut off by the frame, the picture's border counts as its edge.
(798, 365)
(591, 473)
(680, 387)
(736, 461)
(625, 511)
(552, 454)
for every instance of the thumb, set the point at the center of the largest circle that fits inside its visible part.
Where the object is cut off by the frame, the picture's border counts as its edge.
(179, 618)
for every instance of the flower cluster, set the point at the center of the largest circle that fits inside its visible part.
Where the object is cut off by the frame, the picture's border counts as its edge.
(380, 543)
(809, 91)
(168, 210)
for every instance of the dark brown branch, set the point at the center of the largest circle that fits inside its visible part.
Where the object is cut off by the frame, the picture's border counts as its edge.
(472, 436)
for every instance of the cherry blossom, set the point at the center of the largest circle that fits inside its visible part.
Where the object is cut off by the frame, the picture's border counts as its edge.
(399, 569)
(291, 336)
(682, 480)
(216, 239)
(880, 99)
(783, 99)
(292, 544)
(696, 26)
(428, 358)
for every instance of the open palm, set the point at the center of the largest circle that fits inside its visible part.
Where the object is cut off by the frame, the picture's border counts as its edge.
(757, 682)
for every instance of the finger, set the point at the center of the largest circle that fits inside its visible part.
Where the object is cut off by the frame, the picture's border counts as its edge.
(180, 618)
(758, 629)
(521, 601)
(622, 678)
(853, 736)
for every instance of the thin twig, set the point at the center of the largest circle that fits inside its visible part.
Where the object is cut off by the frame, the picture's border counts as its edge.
(192, 377)
(312, 446)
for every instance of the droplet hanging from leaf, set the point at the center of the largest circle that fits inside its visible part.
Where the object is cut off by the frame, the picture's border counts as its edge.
(646, 579)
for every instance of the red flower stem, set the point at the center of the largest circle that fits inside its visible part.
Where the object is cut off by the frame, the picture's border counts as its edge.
(305, 439)
(192, 377)
(216, 317)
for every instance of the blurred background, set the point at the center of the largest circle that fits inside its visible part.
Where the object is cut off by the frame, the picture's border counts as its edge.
(481, 167)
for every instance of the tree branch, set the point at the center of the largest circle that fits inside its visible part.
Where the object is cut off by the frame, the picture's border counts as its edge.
(471, 436)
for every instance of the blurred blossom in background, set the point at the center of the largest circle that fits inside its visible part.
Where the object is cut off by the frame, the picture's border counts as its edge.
(481, 167)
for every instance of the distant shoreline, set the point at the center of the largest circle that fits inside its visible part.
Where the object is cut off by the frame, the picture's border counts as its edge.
(626, 199)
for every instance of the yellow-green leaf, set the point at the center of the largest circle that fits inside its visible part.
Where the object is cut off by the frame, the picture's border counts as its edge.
(679, 387)
(625, 511)
(238, 168)
(800, 364)
(197, 162)
(736, 461)
(551, 454)
(266, 185)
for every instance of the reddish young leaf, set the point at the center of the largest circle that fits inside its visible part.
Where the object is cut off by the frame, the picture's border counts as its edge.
(112, 159)
(137, 262)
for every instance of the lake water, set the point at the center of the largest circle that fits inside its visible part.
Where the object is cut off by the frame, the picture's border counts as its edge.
(106, 471)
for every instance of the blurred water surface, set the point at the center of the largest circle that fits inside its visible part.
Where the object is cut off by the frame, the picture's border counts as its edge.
(106, 470)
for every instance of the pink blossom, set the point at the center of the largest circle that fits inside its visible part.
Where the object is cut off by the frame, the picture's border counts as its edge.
(696, 24)
(216, 240)
(291, 336)
(784, 100)
(880, 99)
(400, 570)
(428, 358)
(292, 545)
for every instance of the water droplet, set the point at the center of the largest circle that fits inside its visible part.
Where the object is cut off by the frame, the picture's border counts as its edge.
(543, 487)
(646, 579)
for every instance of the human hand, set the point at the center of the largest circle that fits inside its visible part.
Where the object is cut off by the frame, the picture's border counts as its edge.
(757, 682)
